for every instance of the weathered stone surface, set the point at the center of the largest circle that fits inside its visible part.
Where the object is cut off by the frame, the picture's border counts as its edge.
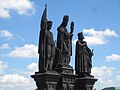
(85, 83)
(46, 81)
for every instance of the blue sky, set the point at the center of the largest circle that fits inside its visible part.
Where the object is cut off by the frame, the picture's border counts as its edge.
(19, 29)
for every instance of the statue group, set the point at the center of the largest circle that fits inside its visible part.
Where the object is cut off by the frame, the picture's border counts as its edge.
(51, 57)
(54, 57)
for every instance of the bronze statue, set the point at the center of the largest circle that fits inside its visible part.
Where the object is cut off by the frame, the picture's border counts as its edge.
(64, 41)
(46, 47)
(50, 47)
(42, 42)
(83, 62)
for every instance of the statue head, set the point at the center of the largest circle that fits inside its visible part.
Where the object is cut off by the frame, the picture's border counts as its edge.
(65, 20)
(80, 35)
(49, 25)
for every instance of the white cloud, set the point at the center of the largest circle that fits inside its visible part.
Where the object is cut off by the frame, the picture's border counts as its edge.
(33, 67)
(118, 77)
(20, 80)
(103, 74)
(113, 57)
(4, 46)
(27, 51)
(93, 40)
(6, 34)
(15, 82)
(95, 37)
(4, 13)
(14, 79)
(3, 66)
(20, 6)
(106, 32)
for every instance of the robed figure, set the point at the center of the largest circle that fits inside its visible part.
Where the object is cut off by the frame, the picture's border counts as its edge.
(83, 55)
(46, 47)
(64, 42)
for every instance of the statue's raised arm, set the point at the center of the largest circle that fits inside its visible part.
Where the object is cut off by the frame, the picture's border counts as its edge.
(46, 47)
(42, 41)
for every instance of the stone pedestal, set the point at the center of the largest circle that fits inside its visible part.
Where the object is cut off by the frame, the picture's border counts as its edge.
(85, 83)
(67, 80)
(46, 81)
(62, 68)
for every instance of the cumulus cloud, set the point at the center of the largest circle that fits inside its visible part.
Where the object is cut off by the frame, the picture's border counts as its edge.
(3, 66)
(4, 46)
(4, 13)
(95, 37)
(118, 77)
(113, 57)
(26, 51)
(15, 82)
(22, 7)
(93, 32)
(6, 34)
(103, 74)
(19, 80)
(14, 79)
(32, 67)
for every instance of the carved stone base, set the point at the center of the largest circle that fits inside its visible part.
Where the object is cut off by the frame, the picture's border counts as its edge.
(85, 83)
(67, 82)
(46, 81)
(64, 69)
